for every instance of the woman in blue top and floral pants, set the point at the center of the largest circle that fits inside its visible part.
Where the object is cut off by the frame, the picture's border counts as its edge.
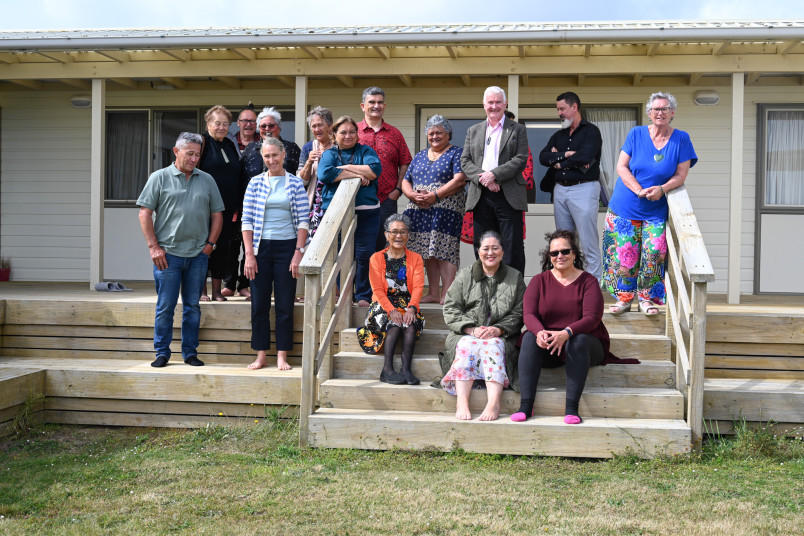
(654, 160)
(275, 223)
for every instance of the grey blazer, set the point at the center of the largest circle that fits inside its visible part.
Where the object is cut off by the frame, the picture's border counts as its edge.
(512, 161)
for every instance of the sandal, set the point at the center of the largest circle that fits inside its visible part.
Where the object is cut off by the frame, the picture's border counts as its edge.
(648, 307)
(619, 308)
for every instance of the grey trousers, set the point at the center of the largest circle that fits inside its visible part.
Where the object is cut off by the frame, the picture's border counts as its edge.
(576, 209)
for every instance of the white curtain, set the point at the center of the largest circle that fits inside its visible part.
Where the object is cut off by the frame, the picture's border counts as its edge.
(784, 158)
(126, 154)
(614, 124)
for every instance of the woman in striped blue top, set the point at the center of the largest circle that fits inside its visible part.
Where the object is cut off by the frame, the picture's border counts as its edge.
(275, 224)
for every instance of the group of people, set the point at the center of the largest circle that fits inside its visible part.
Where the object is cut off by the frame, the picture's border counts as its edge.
(274, 194)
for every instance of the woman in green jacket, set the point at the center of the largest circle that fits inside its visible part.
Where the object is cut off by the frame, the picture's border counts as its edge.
(483, 310)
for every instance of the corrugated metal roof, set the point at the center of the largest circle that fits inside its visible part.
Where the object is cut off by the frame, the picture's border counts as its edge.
(457, 28)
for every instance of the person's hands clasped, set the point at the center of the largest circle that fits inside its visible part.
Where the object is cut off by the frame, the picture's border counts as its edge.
(158, 257)
(486, 332)
(552, 340)
(397, 317)
(654, 193)
(315, 155)
(488, 180)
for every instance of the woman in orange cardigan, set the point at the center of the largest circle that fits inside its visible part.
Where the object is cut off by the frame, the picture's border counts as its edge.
(397, 282)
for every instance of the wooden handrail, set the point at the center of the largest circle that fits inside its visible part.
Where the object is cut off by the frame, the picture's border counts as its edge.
(689, 270)
(323, 262)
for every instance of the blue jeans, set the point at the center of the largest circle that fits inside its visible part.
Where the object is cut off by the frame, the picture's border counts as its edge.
(368, 221)
(185, 274)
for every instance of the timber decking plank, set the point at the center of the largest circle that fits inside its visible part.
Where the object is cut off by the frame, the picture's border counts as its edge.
(546, 436)
(122, 332)
(754, 400)
(749, 374)
(294, 356)
(766, 348)
(358, 365)
(216, 409)
(18, 384)
(642, 403)
(98, 418)
(755, 328)
(754, 362)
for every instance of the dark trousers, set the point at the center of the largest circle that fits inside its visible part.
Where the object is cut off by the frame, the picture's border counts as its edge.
(493, 213)
(237, 280)
(387, 207)
(273, 273)
(582, 352)
(365, 234)
(223, 261)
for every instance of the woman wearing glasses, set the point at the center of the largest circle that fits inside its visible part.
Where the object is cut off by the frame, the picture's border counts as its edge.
(563, 311)
(654, 160)
(348, 159)
(483, 311)
(397, 282)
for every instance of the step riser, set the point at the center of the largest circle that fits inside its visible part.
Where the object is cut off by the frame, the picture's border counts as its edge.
(531, 438)
(650, 374)
(668, 404)
(432, 342)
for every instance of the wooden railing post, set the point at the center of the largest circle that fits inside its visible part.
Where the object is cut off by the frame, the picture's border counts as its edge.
(312, 284)
(697, 355)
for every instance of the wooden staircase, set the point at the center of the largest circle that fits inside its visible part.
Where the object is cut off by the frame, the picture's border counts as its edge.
(626, 408)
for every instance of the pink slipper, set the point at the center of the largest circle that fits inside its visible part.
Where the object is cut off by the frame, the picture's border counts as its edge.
(519, 416)
(572, 419)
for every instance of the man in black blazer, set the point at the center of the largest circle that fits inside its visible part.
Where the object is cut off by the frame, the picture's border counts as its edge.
(494, 156)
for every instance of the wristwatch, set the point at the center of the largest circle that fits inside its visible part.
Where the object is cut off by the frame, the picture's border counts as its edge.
(212, 244)
(300, 249)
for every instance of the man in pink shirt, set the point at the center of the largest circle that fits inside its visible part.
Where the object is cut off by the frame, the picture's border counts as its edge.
(494, 156)
(392, 149)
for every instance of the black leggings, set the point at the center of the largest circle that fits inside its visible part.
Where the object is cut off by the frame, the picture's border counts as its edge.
(583, 351)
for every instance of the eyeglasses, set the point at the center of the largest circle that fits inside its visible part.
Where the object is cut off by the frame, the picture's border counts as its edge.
(267, 126)
(396, 232)
(664, 110)
(346, 132)
(564, 252)
(218, 124)
(247, 121)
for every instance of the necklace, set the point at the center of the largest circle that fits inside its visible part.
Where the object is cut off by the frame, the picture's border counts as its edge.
(436, 154)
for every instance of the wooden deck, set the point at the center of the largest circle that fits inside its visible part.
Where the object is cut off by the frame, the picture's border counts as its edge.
(88, 352)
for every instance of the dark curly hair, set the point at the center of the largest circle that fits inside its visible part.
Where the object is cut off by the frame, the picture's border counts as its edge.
(569, 236)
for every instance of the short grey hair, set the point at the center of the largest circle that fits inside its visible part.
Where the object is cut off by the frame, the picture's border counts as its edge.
(372, 90)
(323, 113)
(393, 218)
(496, 90)
(272, 141)
(186, 138)
(661, 95)
(439, 121)
(270, 111)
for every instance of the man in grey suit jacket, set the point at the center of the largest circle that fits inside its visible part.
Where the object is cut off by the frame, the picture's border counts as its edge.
(494, 156)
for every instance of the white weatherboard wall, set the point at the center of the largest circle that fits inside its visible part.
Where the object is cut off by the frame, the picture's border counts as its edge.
(45, 181)
(45, 186)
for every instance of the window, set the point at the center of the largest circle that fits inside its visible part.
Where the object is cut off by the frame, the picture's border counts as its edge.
(138, 142)
(783, 158)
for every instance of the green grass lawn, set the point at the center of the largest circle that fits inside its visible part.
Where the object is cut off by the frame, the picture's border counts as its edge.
(256, 480)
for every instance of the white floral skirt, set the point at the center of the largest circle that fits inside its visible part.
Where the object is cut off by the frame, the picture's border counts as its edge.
(477, 359)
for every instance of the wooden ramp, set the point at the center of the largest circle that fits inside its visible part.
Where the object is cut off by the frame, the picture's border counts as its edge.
(626, 408)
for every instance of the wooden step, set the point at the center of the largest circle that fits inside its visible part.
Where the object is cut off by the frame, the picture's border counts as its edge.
(546, 436)
(645, 403)
(658, 374)
(754, 400)
(647, 347)
(137, 380)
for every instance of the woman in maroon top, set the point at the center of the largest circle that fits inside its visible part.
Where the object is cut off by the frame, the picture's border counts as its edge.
(563, 311)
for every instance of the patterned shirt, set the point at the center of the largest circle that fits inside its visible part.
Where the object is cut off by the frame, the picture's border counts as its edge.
(254, 205)
(390, 145)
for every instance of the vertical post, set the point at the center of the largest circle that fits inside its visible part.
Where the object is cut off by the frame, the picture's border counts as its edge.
(309, 350)
(513, 94)
(697, 356)
(736, 187)
(96, 172)
(301, 112)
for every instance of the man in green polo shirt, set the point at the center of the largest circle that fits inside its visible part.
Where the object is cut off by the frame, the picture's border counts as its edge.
(180, 217)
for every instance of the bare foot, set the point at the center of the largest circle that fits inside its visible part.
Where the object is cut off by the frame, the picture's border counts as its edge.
(204, 297)
(258, 364)
(443, 299)
(491, 412)
(218, 297)
(430, 298)
(462, 412)
(282, 364)
(363, 303)
(227, 292)
(246, 293)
